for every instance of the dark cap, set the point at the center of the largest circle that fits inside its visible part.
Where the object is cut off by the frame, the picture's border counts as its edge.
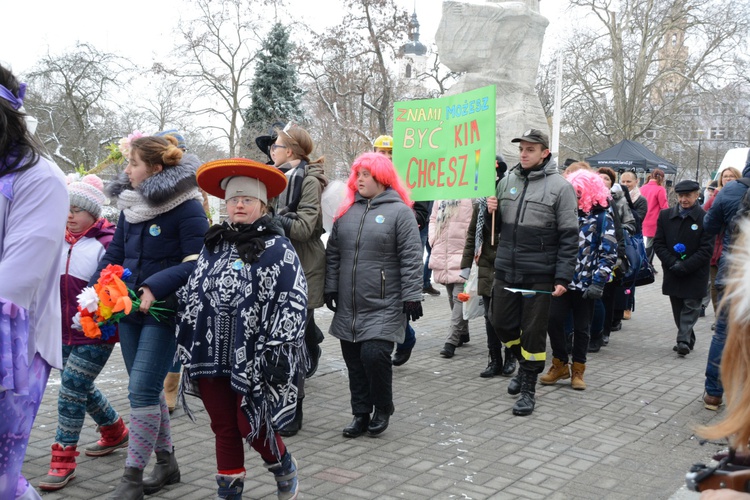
(264, 143)
(687, 186)
(713, 185)
(534, 135)
(500, 166)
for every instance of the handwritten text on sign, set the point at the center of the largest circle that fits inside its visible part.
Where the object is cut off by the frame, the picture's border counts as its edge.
(445, 148)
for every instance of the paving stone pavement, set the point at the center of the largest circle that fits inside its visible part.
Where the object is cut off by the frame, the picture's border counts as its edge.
(629, 435)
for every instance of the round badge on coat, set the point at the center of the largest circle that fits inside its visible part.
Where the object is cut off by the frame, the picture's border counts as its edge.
(694, 227)
(379, 219)
(238, 264)
(154, 230)
(513, 190)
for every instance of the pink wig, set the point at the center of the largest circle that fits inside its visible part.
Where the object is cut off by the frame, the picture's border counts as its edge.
(590, 189)
(382, 170)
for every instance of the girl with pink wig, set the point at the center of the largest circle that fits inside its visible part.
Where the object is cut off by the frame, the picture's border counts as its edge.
(373, 284)
(382, 170)
(597, 255)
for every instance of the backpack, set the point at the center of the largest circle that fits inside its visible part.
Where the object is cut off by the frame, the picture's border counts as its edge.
(742, 211)
(640, 271)
(637, 269)
(631, 250)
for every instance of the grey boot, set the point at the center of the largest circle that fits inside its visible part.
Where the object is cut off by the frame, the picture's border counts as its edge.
(285, 473)
(230, 487)
(166, 471)
(130, 486)
(525, 404)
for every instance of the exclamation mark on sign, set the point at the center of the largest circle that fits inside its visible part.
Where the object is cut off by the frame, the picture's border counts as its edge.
(476, 170)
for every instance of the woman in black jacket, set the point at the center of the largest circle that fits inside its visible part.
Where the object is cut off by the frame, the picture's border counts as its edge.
(158, 238)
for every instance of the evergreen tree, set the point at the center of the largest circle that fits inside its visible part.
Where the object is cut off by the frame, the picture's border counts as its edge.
(274, 92)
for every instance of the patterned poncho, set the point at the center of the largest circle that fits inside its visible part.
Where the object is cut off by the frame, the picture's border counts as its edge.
(238, 316)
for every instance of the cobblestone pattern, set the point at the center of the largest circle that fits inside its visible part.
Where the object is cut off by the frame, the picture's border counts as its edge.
(629, 435)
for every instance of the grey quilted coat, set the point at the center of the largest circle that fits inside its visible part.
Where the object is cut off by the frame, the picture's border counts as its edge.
(374, 262)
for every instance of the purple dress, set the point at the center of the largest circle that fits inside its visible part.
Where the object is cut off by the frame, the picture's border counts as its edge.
(33, 208)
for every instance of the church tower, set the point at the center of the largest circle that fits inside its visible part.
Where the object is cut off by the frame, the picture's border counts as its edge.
(673, 56)
(412, 60)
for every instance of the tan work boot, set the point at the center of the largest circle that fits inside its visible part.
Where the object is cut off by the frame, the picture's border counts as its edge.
(577, 382)
(558, 371)
(171, 388)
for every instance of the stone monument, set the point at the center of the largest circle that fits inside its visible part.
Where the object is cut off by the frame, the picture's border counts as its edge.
(497, 42)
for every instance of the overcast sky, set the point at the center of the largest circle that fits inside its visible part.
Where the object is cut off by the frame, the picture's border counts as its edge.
(142, 30)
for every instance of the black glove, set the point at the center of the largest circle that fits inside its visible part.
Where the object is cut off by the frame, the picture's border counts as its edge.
(413, 310)
(277, 368)
(594, 291)
(678, 268)
(331, 298)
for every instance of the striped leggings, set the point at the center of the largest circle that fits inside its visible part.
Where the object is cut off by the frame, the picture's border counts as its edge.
(78, 394)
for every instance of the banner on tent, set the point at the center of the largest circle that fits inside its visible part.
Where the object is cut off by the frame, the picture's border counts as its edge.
(445, 148)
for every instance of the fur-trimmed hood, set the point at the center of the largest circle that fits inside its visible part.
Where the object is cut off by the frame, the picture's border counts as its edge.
(163, 186)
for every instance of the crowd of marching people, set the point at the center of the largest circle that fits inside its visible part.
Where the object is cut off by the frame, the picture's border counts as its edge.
(226, 312)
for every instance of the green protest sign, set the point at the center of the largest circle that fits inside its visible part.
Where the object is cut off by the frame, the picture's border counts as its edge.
(445, 148)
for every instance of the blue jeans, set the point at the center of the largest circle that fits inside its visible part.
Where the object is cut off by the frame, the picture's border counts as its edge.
(148, 351)
(713, 381)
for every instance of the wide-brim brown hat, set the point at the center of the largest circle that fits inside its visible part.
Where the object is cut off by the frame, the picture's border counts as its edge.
(210, 175)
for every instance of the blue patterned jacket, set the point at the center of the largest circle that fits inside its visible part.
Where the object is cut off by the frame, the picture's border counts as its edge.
(597, 249)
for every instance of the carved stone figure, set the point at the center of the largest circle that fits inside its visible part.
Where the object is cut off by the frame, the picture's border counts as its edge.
(497, 42)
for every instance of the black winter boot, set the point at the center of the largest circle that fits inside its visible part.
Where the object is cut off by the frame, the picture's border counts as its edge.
(130, 486)
(380, 420)
(295, 425)
(514, 386)
(166, 471)
(401, 357)
(358, 426)
(595, 342)
(448, 350)
(315, 352)
(525, 404)
(495, 365)
(510, 363)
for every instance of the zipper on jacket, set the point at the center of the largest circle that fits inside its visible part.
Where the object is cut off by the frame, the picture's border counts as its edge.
(382, 283)
(354, 270)
(515, 226)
